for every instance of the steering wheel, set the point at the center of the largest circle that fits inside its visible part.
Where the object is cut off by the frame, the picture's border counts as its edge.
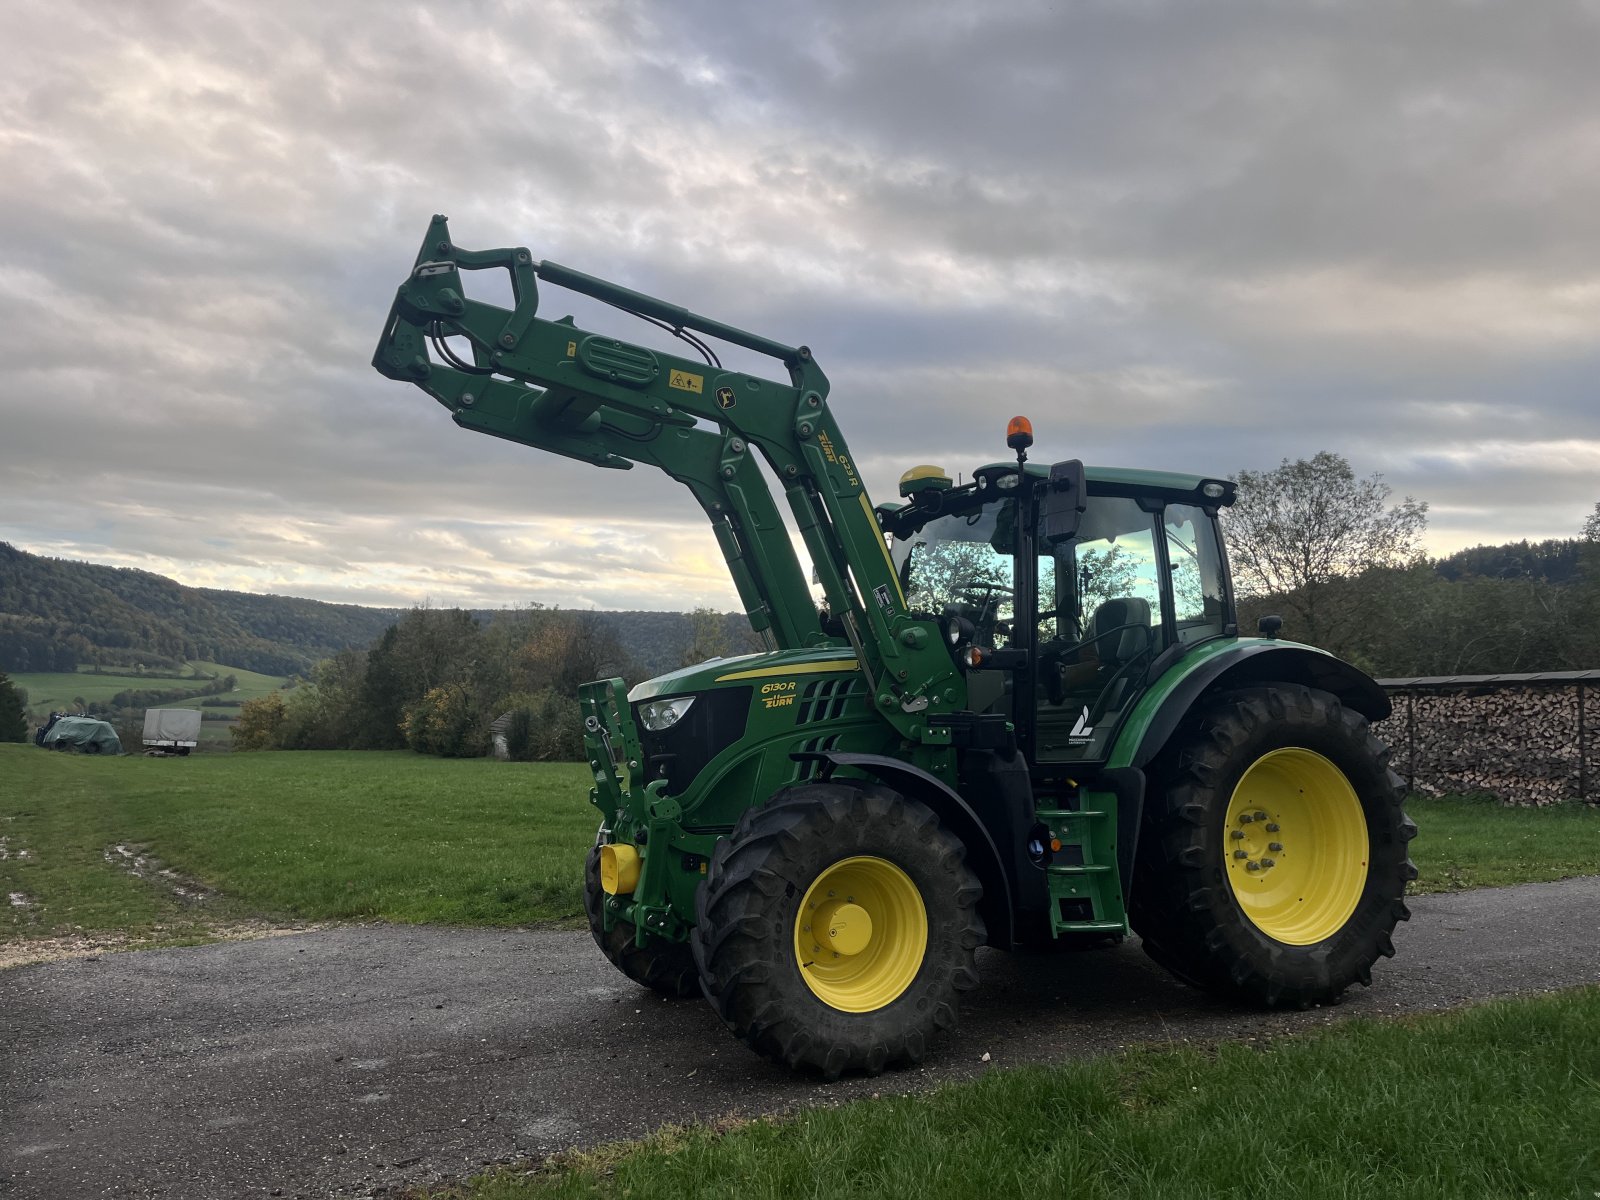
(980, 593)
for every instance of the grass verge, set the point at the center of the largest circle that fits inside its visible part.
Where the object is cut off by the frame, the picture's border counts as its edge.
(1495, 1101)
(335, 836)
(1475, 841)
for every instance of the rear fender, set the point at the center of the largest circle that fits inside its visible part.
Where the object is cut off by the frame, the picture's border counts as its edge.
(956, 815)
(1245, 663)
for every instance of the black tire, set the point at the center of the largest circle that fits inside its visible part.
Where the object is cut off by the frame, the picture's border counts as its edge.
(1184, 906)
(663, 966)
(747, 912)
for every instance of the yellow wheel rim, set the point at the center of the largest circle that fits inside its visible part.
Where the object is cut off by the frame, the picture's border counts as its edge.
(860, 934)
(1295, 846)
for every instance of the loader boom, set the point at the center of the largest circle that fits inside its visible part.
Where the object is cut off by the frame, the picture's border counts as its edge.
(591, 397)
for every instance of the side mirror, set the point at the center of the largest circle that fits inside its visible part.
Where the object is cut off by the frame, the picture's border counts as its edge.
(1064, 501)
(1268, 626)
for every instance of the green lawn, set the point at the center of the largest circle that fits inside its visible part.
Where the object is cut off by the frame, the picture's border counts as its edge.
(402, 837)
(1467, 842)
(313, 836)
(1497, 1101)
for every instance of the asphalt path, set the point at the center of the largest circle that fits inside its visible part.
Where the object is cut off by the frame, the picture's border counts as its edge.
(354, 1061)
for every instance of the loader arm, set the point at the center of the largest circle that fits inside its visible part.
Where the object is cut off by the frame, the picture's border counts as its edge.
(591, 397)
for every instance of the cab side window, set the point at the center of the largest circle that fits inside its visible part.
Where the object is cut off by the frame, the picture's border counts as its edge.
(1193, 552)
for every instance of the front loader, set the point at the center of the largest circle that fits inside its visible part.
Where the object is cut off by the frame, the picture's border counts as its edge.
(1022, 715)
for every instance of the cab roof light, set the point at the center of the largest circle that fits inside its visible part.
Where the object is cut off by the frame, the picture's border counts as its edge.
(1019, 433)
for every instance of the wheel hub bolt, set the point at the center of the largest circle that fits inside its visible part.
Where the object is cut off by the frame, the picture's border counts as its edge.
(1252, 866)
(1275, 847)
(1272, 827)
(1241, 854)
(1237, 834)
(1267, 862)
(1260, 816)
(1245, 818)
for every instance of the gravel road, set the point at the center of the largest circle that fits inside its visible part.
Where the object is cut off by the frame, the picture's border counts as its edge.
(354, 1060)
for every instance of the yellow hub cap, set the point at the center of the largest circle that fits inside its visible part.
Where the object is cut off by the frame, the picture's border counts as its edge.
(1295, 846)
(860, 934)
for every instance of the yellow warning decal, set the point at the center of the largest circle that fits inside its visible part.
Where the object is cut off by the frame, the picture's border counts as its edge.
(572, 349)
(685, 381)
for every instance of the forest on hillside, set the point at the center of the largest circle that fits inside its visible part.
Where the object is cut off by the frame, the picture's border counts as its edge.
(58, 614)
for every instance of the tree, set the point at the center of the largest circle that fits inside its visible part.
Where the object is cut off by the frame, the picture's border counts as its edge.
(260, 722)
(446, 722)
(1304, 534)
(13, 715)
(1591, 526)
(710, 637)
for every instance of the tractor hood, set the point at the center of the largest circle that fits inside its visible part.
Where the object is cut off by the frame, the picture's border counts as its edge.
(745, 669)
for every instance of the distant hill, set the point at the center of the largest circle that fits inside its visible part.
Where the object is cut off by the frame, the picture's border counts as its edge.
(58, 613)
(655, 642)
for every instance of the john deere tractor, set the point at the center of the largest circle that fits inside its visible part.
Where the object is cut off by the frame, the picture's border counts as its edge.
(1022, 715)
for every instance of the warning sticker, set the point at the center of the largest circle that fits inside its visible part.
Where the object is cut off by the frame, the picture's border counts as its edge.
(686, 381)
(881, 594)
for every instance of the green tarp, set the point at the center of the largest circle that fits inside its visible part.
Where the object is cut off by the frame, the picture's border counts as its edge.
(83, 734)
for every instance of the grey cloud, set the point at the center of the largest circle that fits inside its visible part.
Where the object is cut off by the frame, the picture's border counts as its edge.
(1181, 237)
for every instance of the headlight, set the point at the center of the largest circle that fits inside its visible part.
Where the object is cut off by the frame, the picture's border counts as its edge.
(664, 714)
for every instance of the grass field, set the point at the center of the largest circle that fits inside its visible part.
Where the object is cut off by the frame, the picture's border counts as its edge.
(1497, 1101)
(334, 836)
(402, 837)
(49, 690)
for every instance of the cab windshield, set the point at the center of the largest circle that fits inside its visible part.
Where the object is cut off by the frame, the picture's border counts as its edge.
(962, 562)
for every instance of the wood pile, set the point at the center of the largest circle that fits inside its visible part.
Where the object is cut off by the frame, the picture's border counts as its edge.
(1519, 743)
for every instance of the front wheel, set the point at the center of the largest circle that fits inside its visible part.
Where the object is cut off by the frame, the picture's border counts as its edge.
(1273, 859)
(837, 926)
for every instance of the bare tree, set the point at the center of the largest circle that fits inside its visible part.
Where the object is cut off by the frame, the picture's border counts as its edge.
(1591, 526)
(1305, 532)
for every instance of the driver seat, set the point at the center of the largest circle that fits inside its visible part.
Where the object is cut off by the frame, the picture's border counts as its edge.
(1120, 630)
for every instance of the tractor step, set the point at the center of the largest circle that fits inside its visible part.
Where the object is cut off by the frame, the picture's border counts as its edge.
(1085, 888)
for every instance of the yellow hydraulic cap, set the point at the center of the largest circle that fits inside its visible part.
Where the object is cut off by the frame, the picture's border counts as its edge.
(924, 478)
(619, 869)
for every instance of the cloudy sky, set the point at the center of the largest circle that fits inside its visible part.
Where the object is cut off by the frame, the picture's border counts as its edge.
(1200, 236)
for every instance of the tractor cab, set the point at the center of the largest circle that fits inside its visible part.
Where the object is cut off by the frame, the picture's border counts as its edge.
(1060, 624)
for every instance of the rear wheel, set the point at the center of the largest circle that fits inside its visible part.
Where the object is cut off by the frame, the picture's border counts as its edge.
(665, 967)
(837, 927)
(1273, 861)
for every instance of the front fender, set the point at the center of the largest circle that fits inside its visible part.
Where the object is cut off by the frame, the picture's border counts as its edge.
(1234, 663)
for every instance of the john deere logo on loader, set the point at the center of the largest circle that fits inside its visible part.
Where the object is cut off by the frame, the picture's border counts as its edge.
(725, 397)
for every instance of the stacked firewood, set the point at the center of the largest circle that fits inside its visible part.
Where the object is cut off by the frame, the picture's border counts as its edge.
(1519, 743)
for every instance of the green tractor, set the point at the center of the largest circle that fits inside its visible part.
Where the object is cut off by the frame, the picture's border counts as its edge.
(1023, 716)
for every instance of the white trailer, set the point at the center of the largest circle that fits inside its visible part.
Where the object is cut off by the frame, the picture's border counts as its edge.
(176, 730)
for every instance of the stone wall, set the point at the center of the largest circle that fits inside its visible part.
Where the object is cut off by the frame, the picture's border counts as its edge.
(1530, 740)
